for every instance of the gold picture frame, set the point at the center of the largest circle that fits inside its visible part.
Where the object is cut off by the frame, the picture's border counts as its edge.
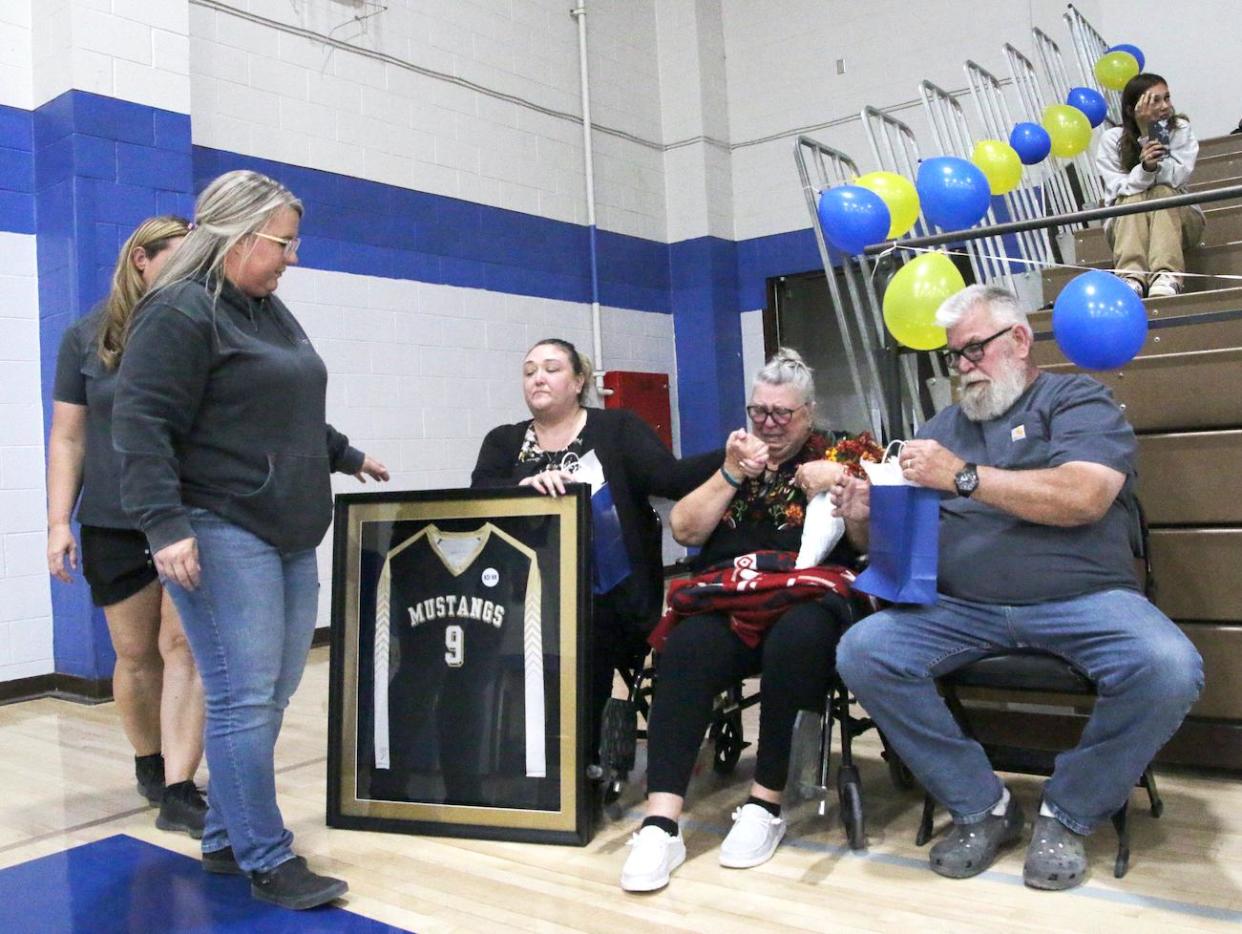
(457, 699)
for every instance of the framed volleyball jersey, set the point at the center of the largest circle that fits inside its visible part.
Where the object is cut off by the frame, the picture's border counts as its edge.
(460, 621)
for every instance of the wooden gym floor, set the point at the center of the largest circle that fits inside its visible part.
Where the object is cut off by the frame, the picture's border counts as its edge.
(66, 779)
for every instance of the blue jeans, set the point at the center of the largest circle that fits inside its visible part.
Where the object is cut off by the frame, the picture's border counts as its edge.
(249, 624)
(1146, 672)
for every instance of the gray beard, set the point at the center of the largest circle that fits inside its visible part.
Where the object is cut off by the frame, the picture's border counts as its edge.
(993, 399)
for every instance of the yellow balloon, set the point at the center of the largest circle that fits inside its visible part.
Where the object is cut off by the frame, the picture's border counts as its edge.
(999, 164)
(914, 294)
(898, 194)
(1069, 129)
(1114, 69)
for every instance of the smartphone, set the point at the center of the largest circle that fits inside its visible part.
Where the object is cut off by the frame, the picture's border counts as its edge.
(1160, 132)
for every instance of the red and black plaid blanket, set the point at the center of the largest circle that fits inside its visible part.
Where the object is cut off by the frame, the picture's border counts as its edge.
(754, 589)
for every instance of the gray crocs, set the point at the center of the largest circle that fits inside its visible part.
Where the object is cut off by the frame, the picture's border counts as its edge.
(1056, 858)
(969, 849)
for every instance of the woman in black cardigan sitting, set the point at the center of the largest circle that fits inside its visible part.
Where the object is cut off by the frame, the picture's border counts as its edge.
(544, 452)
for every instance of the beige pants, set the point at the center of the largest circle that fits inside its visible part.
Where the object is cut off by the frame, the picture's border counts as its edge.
(1154, 241)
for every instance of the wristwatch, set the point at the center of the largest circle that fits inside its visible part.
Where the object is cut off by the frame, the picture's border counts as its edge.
(966, 480)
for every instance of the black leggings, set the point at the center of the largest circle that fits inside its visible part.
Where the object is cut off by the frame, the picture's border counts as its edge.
(703, 656)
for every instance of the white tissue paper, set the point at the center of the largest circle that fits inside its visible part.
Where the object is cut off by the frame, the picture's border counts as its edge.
(591, 471)
(886, 474)
(821, 531)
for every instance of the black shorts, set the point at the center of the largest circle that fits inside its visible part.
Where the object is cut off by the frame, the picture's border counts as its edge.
(116, 563)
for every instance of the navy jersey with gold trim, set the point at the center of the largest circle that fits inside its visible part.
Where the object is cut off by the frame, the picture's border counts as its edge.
(453, 612)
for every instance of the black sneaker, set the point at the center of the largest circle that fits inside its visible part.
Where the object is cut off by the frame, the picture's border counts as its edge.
(970, 848)
(182, 809)
(293, 885)
(222, 862)
(149, 770)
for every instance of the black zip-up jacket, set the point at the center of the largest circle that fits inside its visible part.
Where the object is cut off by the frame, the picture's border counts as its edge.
(220, 405)
(637, 466)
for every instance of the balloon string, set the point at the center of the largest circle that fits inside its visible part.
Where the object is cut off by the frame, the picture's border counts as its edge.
(879, 257)
(1042, 265)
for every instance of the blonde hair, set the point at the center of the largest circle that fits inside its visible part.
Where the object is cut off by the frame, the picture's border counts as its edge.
(154, 236)
(232, 207)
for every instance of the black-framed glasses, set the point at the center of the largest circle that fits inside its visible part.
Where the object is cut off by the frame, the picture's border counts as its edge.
(779, 414)
(973, 351)
(288, 244)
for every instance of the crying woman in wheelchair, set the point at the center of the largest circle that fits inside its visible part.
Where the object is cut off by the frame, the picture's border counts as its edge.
(759, 603)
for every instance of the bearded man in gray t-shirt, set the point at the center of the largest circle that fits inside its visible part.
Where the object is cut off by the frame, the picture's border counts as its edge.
(1037, 472)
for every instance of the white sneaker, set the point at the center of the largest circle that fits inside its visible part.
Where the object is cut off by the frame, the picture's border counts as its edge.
(1164, 285)
(1133, 283)
(653, 857)
(754, 838)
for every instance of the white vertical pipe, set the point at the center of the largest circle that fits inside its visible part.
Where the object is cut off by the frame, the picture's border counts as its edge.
(597, 341)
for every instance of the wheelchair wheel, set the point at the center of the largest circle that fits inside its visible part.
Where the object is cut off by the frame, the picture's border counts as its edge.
(729, 744)
(849, 795)
(618, 736)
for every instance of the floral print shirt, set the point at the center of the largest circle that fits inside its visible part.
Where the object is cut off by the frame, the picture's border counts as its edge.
(767, 514)
(773, 497)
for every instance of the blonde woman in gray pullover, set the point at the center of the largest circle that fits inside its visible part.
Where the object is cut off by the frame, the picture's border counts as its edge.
(226, 457)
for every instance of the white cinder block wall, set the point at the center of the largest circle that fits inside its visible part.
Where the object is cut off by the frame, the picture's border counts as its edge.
(781, 67)
(25, 600)
(476, 101)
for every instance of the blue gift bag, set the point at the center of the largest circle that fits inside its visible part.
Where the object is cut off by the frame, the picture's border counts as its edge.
(610, 563)
(905, 544)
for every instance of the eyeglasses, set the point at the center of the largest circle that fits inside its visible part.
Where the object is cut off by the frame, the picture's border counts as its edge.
(290, 244)
(779, 415)
(973, 351)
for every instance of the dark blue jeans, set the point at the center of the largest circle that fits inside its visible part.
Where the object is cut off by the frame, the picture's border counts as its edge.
(249, 625)
(1146, 671)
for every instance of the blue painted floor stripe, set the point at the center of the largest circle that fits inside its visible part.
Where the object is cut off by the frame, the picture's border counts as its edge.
(120, 885)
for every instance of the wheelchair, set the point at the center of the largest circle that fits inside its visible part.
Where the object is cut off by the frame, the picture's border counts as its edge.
(810, 780)
(810, 769)
(621, 729)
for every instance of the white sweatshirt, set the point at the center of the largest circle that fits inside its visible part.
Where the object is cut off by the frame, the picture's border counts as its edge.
(1174, 169)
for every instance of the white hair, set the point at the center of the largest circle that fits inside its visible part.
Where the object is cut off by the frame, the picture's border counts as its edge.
(787, 368)
(1001, 303)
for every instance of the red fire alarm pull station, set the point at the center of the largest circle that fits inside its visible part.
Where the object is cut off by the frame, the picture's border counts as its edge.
(646, 395)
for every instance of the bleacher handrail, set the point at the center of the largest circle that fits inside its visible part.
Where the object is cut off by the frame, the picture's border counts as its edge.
(1089, 45)
(994, 115)
(834, 167)
(1056, 220)
(1058, 82)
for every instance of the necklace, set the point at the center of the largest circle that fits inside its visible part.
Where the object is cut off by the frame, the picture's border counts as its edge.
(560, 436)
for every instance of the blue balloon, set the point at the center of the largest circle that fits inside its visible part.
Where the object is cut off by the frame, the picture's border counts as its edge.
(853, 218)
(953, 192)
(1133, 50)
(1090, 101)
(1031, 141)
(1098, 321)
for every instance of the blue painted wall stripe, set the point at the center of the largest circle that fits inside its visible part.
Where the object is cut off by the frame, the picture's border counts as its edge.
(17, 184)
(358, 226)
(100, 166)
(369, 228)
